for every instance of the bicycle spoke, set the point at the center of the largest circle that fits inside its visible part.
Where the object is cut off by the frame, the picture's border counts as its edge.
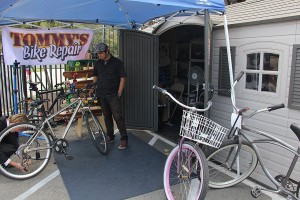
(34, 152)
(190, 181)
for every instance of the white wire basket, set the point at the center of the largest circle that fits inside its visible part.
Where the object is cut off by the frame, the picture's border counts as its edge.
(200, 129)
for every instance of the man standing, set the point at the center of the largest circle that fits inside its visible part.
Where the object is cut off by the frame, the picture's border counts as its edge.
(110, 78)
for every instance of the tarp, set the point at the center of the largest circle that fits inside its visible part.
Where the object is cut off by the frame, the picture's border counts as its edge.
(123, 13)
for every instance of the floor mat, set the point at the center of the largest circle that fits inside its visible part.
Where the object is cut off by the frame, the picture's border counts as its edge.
(118, 175)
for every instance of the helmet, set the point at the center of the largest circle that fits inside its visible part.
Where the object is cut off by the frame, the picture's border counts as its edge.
(101, 47)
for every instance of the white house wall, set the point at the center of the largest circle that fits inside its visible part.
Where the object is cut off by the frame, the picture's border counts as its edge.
(278, 38)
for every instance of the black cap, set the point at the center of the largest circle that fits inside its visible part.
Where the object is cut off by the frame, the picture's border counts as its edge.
(101, 47)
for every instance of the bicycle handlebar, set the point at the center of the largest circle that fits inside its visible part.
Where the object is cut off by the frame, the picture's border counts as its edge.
(275, 107)
(59, 84)
(270, 108)
(239, 76)
(50, 91)
(242, 111)
(165, 92)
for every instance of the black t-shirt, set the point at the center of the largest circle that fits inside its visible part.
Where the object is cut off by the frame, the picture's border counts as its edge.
(109, 74)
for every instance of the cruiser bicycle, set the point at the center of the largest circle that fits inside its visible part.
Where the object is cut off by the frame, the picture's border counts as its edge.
(186, 171)
(238, 157)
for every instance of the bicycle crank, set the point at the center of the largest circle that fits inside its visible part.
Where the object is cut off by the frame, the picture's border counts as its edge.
(291, 184)
(61, 145)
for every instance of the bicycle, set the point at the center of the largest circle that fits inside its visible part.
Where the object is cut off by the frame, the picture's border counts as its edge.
(237, 158)
(37, 111)
(186, 170)
(35, 146)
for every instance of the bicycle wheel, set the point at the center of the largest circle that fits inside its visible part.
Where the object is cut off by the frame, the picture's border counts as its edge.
(298, 190)
(96, 132)
(223, 167)
(34, 150)
(192, 180)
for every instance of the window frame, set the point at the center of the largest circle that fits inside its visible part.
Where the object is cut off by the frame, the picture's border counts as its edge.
(262, 72)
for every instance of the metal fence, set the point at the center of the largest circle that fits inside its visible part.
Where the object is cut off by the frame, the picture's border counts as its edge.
(15, 88)
(47, 76)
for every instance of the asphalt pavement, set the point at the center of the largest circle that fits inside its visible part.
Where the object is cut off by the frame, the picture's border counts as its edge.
(48, 185)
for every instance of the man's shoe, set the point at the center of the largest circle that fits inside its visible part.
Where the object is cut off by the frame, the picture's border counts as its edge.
(123, 144)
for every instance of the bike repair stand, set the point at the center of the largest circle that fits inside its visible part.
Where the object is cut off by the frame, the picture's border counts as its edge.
(15, 91)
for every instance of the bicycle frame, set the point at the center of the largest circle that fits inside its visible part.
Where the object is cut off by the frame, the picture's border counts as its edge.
(47, 120)
(165, 92)
(275, 141)
(79, 102)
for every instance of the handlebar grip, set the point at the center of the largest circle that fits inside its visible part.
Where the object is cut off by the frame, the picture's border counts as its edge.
(275, 107)
(155, 87)
(243, 110)
(239, 76)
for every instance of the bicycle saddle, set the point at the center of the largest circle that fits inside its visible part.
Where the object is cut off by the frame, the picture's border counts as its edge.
(296, 129)
(33, 86)
(38, 102)
(34, 83)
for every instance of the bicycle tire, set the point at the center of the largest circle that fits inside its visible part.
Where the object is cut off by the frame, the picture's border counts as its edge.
(298, 190)
(38, 157)
(192, 182)
(96, 132)
(221, 175)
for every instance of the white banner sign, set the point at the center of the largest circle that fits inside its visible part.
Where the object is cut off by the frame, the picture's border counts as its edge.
(44, 47)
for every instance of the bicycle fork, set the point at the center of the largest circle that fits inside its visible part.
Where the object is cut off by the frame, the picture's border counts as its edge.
(235, 158)
(184, 169)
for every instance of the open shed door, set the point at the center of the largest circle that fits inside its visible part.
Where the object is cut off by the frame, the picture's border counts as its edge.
(139, 52)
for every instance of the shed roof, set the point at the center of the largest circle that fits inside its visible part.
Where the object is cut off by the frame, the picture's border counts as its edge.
(261, 11)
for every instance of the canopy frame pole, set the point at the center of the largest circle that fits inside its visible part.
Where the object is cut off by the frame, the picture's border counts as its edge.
(206, 58)
(229, 61)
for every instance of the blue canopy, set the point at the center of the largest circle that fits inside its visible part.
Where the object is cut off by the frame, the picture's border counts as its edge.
(122, 13)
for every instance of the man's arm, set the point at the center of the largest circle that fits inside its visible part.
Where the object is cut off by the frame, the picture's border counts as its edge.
(121, 86)
(95, 78)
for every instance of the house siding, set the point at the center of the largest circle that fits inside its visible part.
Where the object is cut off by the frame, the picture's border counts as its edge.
(280, 38)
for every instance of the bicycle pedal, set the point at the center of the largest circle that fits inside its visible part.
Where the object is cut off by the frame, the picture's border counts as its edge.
(68, 157)
(256, 191)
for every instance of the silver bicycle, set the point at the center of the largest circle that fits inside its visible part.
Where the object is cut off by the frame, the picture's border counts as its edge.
(35, 146)
(238, 157)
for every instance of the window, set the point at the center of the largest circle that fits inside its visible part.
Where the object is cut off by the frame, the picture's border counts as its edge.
(262, 72)
(224, 79)
(294, 95)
